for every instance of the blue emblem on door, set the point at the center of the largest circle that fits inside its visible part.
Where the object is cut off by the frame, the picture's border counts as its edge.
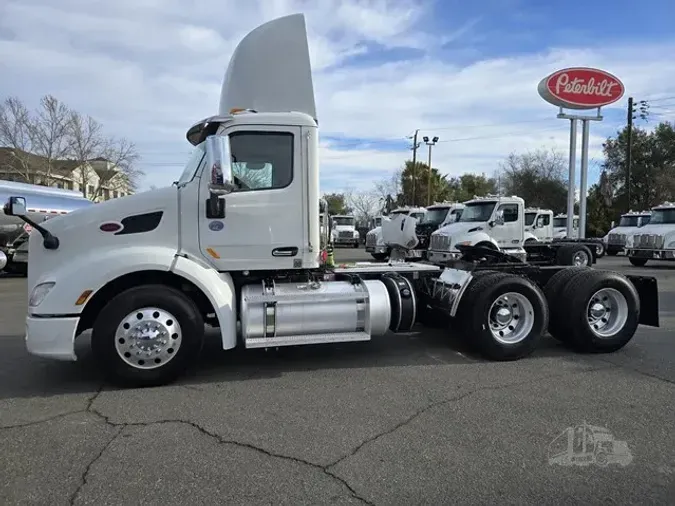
(216, 225)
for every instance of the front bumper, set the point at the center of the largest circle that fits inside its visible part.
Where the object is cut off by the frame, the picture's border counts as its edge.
(378, 250)
(667, 254)
(52, 337)
(346, 240)
(442, 256)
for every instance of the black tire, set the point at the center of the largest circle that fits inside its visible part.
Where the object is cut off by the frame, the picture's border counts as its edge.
(379, 256)
(553, 291)
(612, 252)
(567, 252)
(356, 245)
(177, 305)
(475, 308)
(486, 244)
(531, 240)
(638, 262)
(580, 292)
(600, 250)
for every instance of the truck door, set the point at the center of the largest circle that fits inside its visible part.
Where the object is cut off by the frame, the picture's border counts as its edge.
(511, 233)
(261, 225)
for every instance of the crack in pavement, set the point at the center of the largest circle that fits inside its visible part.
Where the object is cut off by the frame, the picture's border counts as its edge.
(450, 400)
(325, 469)
(85, 473)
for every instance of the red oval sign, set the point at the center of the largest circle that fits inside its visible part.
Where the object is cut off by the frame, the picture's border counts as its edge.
(110, 227)
(581, 88)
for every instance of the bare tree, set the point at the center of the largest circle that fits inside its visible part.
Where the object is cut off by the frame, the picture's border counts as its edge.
(34, 143)
(365, 205)
(103, 162)
(386, 191)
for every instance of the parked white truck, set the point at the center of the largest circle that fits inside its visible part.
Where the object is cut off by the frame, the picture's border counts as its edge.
(629, 224)
(344, 230)
(538, 225)
(497, 223)
(437, 215)
(560, 227)
(242, 253)
(374, 240)
(655, 240)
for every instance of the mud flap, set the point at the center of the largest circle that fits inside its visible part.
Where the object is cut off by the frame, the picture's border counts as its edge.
(647, 288)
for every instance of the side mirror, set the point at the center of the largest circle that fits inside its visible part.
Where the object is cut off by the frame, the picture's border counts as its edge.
(15, 206)
(218, 163)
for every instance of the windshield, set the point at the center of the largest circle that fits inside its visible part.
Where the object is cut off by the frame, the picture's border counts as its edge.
(529, 218)
(628, 221)
(378, 222)
(478, 212)
(417, 216)
(645, 220)
(435, 216)
(343, 220)
(660, 216)
(192, 164)
(559, 222)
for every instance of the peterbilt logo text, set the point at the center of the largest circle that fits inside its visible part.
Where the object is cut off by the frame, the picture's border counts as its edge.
(578, 86)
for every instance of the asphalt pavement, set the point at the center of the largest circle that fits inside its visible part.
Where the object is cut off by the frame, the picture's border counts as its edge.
(403, 419)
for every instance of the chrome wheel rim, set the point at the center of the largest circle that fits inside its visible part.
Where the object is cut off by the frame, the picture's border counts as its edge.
(580, 259)
(599, 249)
(148, 338)
(607, 312)
(511, 318)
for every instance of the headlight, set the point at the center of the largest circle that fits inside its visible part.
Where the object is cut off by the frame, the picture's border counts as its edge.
(39, 293)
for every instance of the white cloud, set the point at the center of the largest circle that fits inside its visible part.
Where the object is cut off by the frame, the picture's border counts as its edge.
(148, 69)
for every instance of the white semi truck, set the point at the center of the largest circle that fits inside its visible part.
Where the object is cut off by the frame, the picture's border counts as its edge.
(497, 223)
(560, 227)
(538, 225)
(344, 230)
(655, 240)
(629, 224)
(375, 244)
(437, 215)
(42, 202)
(146, 271)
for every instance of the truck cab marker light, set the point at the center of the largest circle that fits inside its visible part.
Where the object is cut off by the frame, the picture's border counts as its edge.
(213, 253)
(84, 296)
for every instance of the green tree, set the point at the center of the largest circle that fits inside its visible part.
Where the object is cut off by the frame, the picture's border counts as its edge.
(337, 203)
(652, 167)
(466, 186)
(419, 173)
(538, 177)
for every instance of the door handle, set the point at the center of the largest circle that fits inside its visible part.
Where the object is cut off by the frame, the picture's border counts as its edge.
(286, 251)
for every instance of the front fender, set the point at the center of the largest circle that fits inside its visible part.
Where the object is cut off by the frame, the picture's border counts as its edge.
(219, 288)
(93, 272)
(474, 238)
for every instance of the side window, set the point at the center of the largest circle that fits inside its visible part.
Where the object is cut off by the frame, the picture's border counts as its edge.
(262, 160)
(510, 212)
(543, 220)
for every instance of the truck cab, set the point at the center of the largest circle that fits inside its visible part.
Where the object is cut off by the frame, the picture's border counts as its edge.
(344, 230)
(493, 221)
(374, 240)
(538, 225)
(655, 240)
(560, 227)
(629, 224)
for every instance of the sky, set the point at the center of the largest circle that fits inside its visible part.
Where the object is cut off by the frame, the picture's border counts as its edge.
(466, 72)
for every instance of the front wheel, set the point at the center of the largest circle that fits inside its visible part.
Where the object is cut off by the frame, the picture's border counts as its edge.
(147, 336)
(599, 250)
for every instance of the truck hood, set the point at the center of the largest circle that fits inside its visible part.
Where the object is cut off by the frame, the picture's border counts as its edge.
(79, 231)
(460, 228)
(625, 230)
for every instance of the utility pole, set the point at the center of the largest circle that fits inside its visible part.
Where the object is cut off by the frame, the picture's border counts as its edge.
(414, 164)
(629, 142)
(430, 144)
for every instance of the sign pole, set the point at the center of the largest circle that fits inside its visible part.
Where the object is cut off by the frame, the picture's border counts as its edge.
(584, 178)
(572, 175)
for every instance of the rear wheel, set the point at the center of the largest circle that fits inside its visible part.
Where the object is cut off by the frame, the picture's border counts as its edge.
(574, 254)
(603, 313)
(638, 262)
(553, 291)
(147, 336)
(504, 315)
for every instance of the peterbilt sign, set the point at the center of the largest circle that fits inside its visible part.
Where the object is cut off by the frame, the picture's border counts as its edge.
(581, 88)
